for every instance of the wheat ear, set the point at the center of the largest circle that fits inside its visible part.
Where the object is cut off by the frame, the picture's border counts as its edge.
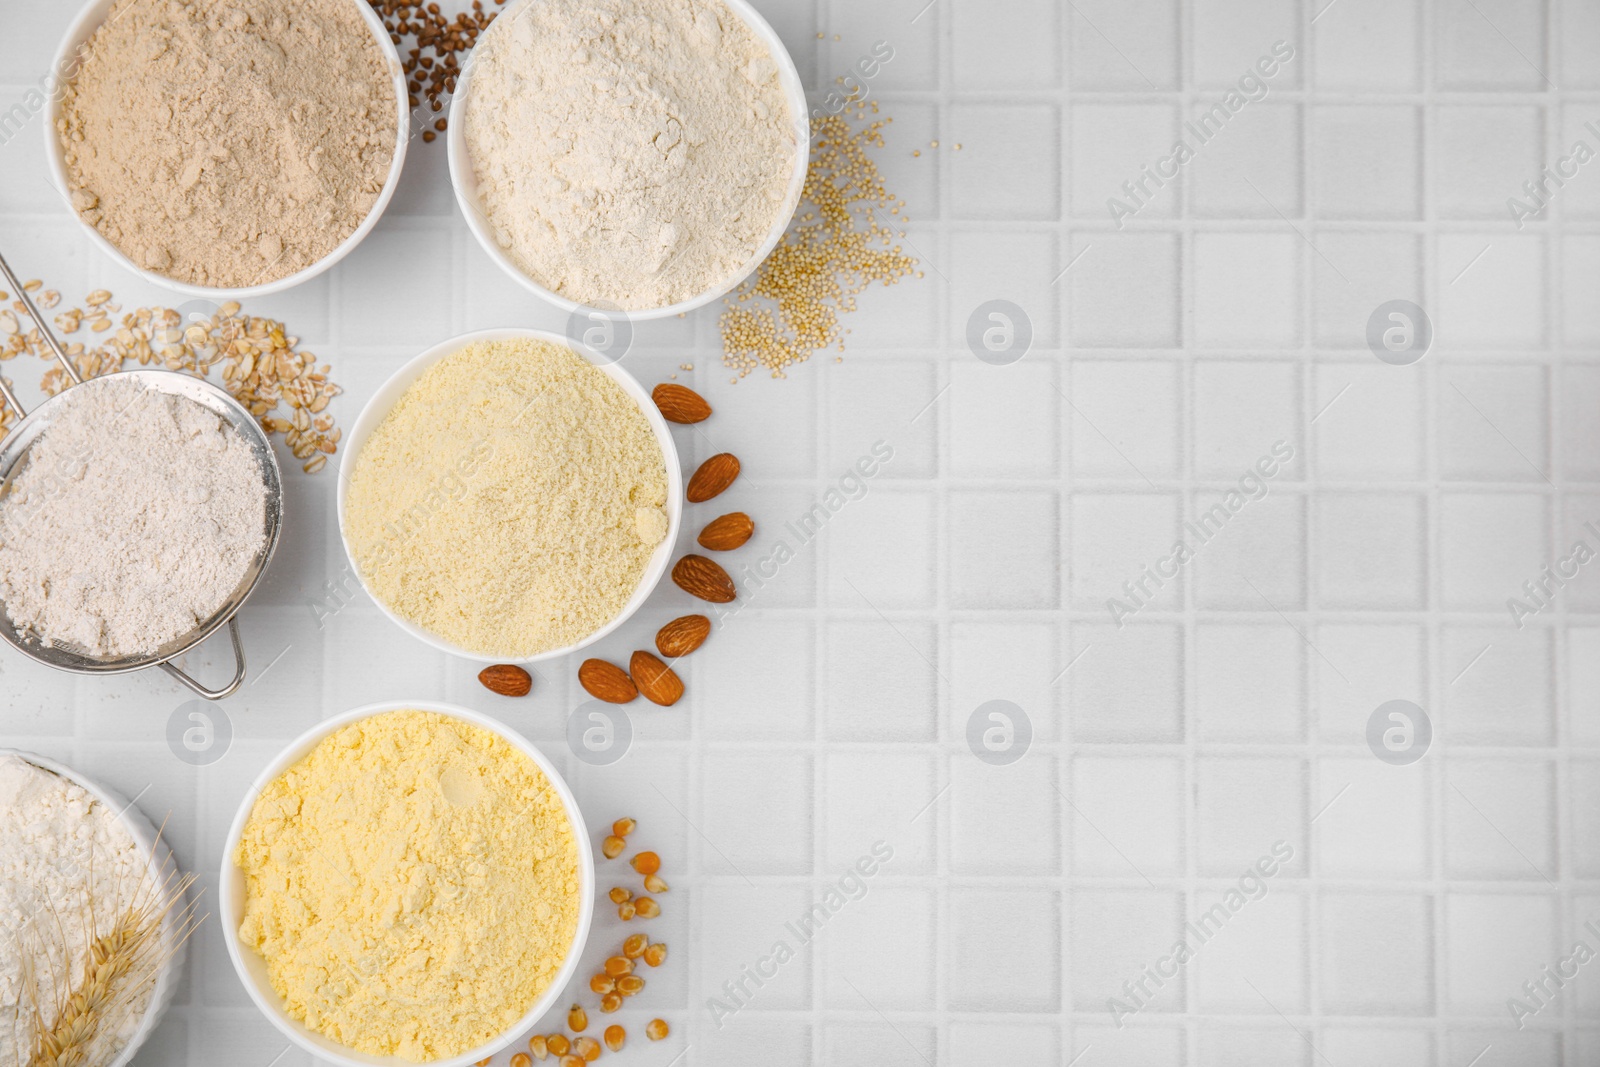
(107, 988)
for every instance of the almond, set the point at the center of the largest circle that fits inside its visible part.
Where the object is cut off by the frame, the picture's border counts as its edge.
(655, 679)
(714, 475)
(679, 403)
(700, 577)
(682, 636)
(727, 532)
(606, 681)
(507, 679)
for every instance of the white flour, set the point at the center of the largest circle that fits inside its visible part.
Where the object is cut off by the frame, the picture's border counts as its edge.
(60, 848)
(135, 519)
(628, 152)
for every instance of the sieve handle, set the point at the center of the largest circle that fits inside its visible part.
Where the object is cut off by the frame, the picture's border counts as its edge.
(44, 331)
(238, 675)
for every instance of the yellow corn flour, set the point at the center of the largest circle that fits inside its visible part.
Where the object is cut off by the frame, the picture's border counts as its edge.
(412, 885)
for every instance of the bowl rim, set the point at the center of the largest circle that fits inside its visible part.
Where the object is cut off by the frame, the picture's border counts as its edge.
(464, 183)
(230, 887)
(156, 849)
(84, 25)
(403, 378)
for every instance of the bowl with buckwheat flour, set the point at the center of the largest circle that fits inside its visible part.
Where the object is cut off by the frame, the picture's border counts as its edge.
(509, 496)
(641, 156)
(66, 843)
(268, 139)
(452, 888)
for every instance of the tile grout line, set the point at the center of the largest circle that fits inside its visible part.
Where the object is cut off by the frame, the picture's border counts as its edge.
(1189, 604)
(1430, 392)
(1553, 308)
(1311, 586)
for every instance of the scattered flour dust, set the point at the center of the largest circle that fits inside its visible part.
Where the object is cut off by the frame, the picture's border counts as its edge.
(60, 850)
(630, 153)
(510, 501)
(412, 885)
(137, 515)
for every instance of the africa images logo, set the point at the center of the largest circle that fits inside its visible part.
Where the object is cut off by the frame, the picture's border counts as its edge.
(1203, 128)
(1253, 484)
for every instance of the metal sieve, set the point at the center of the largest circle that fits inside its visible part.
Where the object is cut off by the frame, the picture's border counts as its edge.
(14, 450)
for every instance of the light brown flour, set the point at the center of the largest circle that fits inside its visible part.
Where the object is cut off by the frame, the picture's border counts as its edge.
(497, 504)
(229, 143)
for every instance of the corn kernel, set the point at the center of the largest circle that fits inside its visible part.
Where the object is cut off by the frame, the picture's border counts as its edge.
(626, 910)
(615, 1037)
(577, 1019)
(646, 908)
(521, 1059)
(559, 1045)
(617, 966)
(656, 1029)
(623, 827)
(635, 945)
(602, 983)
(655, 955)
(539, 1047)
(610, 1002)
(646, 862)
(654, 884)
(587, 1047)
(612, 846)
(630, 984)
(621, 894)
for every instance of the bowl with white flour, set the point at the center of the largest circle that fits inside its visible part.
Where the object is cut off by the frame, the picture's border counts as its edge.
(641, 156)
(138, 511)
(73, 849)
(268, 140)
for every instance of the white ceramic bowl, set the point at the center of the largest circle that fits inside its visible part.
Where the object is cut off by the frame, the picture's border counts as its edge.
(389, 394)
(83, 27)
(252, 968)
(158, 858)
(465, 182)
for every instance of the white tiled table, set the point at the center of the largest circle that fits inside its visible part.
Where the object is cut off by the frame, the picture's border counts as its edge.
(1167, 357)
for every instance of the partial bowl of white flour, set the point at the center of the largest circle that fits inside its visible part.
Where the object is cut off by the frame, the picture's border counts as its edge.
(137, 512)
(641, 156)
(93, 918)
(227, 149)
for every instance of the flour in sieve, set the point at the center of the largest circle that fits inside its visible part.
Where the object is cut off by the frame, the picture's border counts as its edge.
(136, 517)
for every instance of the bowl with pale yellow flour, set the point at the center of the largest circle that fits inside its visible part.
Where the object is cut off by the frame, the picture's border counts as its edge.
(509, 496)
(267, 139)
(642, 156)
(407, 883)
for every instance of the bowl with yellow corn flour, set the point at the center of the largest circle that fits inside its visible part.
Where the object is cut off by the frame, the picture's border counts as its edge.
(407, 883)
(510, 496)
